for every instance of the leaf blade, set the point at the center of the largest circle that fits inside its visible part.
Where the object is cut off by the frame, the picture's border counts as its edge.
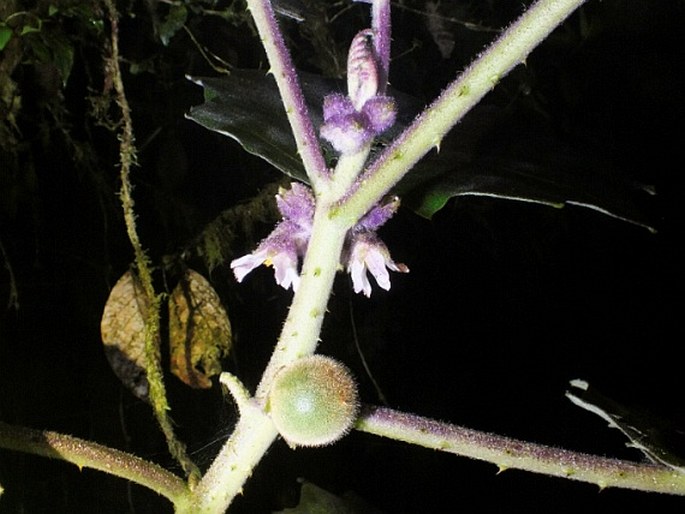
(199, 331)
(491, 153)
(122, 329)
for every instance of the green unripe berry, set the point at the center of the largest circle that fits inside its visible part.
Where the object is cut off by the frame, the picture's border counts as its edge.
(313, 402)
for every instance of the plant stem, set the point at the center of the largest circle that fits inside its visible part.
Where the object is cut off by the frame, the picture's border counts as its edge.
(508, 453)
(127, 157)
(86, 454)
(284, 72)
(300, 334)
(347, 170)
(223, 481)
(457, 99)
(380, 23)
(255, 432)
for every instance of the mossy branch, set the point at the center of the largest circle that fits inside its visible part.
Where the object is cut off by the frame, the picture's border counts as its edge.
(507, 453)
(127, 157)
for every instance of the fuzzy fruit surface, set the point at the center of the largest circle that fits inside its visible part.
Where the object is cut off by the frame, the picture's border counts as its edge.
(313, 402)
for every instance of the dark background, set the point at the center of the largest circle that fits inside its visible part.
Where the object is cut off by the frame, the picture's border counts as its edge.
(505, 303)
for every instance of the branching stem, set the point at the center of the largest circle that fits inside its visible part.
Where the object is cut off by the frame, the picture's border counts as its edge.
(507, 453)
(337, 210)
(428, 130)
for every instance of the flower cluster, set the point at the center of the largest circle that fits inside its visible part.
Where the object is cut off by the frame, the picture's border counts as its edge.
(351, 122)
(287, 242)
(363, 250)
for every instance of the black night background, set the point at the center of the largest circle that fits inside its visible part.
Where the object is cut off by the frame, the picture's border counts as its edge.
(506, 301)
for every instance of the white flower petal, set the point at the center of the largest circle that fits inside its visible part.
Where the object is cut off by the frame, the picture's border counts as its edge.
(243, 265)
(285, 270)
(368, 254)
(360, 282)
(376, 263)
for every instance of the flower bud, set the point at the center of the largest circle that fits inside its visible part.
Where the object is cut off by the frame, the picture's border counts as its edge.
(347, 134)
(313, 402)
(381, 113)
(362, 69)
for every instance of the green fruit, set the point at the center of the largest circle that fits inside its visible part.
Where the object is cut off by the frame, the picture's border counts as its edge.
(313, 402)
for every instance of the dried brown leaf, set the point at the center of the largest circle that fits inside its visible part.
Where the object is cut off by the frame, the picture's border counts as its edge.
(123, 333)
(199, 331)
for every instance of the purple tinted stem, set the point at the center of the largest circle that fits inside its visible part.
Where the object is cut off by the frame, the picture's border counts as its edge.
(427, 130)
(380, 22)
(507, 453)
(288, 83)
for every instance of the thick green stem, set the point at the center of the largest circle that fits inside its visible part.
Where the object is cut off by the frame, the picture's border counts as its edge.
(508, 453)
(300, 334)
(224, 480)
(347, 171)
(255, 432)
(86, 454)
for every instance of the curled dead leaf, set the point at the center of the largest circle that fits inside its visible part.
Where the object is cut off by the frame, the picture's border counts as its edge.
(123, 333)
(199, 331)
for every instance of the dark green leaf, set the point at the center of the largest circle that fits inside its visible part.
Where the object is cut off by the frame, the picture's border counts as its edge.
(29, 29)
(53, 48)
(501, 155)
(246, 107)
(5, 35)
(490, 153)
(659, 440)
(172, 23)
(315, 500)
(62, 54)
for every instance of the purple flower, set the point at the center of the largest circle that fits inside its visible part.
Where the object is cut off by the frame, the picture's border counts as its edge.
(288, 240)
(368, 253)
(363, 250)
(348, 134)
(380, 111)
(351, 122)
(279, 250)
(376, 217)
(337, 106)
(362, 69)
(296, 204)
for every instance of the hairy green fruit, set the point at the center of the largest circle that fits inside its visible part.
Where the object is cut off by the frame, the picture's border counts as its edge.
(313, 402)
